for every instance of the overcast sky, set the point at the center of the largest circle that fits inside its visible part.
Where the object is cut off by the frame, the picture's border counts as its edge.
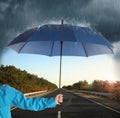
(18, 15)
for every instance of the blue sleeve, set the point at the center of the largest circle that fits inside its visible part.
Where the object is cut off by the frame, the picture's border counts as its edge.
(35, 104)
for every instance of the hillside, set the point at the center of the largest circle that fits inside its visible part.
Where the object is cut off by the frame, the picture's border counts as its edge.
(23, 81)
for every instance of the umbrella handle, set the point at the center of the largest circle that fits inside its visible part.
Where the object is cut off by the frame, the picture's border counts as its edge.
(61, 44)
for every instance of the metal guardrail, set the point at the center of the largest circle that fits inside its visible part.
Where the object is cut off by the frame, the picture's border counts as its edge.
(96, 93)
(35, 93)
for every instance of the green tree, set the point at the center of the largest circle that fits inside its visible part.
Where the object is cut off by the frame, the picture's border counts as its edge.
(23, 80)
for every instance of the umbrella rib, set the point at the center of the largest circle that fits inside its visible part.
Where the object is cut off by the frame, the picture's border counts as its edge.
(84, 49)
(73, 34)
(111, 49)
(52, 49)
(22, 47)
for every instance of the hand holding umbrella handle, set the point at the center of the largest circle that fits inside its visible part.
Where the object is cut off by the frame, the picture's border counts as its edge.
(59, 99)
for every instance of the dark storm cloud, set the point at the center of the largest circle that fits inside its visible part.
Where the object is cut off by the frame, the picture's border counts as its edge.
(18, 15)
(104, 15)
(11, 20)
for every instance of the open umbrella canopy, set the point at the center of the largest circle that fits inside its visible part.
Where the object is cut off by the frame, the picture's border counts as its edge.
(76, 41)
(61, 40)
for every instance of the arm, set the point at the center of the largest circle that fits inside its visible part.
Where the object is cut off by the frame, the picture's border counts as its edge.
(35, 104)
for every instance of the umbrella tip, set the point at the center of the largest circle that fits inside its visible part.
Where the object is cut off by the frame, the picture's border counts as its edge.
(62, 22)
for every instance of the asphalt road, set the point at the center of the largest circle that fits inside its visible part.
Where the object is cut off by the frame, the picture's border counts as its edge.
(74, 106)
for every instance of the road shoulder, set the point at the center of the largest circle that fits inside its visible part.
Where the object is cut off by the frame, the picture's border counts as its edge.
(105, 101)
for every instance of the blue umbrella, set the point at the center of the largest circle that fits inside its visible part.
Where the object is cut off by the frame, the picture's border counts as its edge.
(61, 40)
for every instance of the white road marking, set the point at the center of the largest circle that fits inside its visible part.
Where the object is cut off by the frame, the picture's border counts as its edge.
(59, 114)
(107, 107)
(104, 106)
